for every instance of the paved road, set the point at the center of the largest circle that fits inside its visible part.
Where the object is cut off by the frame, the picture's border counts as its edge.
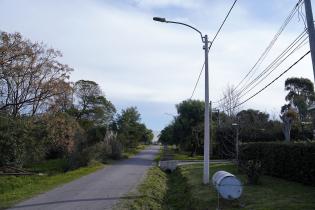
(100, 190)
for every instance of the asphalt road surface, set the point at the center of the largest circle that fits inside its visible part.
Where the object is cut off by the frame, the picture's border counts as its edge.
(100, 190)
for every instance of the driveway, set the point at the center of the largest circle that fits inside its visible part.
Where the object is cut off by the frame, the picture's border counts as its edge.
(99, 190)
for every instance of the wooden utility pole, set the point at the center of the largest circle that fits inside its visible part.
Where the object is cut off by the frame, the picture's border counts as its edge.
(311, 31)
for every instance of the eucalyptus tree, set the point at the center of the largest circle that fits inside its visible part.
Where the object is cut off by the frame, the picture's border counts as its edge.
(301, 94)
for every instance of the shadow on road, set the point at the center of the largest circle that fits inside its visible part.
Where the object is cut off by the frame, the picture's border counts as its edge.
(76, 200)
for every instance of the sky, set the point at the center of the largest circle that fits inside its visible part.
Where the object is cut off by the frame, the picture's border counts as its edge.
(154, 66)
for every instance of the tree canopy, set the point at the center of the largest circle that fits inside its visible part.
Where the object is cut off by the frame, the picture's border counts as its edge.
(301, 94)
(130, 129)
(30, 75)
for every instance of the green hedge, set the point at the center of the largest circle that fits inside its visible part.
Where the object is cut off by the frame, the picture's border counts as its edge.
(294, 161)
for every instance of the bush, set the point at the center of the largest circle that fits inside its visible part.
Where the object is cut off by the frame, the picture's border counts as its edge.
(108, 148)
(96, 134)
(11, 142)
(294, 161)
(112, 147)
(253, 171)
(62, 133)
(116, 147)
(21, 141)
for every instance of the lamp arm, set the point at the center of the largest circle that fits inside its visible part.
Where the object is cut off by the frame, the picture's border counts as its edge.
(187, 26)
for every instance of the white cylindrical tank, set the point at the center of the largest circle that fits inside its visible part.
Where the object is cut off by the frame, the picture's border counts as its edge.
(228, 186)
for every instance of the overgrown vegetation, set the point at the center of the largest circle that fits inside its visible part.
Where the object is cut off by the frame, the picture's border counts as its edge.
(44, 116)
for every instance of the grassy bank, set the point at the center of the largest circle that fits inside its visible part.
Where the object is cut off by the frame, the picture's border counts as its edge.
(14, 189)
(159, 190)
(183, 189)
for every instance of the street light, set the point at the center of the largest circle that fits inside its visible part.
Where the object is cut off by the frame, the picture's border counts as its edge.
(206, 42)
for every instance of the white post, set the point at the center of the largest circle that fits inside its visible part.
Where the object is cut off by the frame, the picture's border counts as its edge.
(206, 129)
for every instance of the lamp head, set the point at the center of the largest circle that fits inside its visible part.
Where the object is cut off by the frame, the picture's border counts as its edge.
(163, 20)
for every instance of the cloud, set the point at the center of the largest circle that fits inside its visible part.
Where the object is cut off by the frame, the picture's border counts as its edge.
(139, 61)
(167, 3)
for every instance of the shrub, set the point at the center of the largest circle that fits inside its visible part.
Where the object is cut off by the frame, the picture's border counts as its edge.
(253, 171)
(116, 150)
(11, 142)
(62, 133)
(112, 146)
(96, 134)
(83, 157)
(294, 161)
(21, 141)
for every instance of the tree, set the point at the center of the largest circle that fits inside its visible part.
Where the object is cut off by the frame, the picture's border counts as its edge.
(229, 101)
(301, 93)
(256, 126)
(147, 135)
(62, 134)
(62, 102)
(91, 106)
(300, 96)
(30, 75)
(166, 134)
(190, 125)
(288, 115)
(129, 128)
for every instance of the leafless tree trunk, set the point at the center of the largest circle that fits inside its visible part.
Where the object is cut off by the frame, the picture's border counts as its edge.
(229, 101)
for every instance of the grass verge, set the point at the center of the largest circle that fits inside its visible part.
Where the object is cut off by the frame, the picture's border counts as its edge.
(14, 189)
(271, 194)
(183, 189)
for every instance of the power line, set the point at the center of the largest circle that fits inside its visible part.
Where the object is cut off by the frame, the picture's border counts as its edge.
(267, 50)
(275, 63)
(270, 82)
(271, 44)
(197, 81)
(227, 15)
(214, 38)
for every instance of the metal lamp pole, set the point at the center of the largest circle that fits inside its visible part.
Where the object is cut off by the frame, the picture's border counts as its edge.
(206, 42)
